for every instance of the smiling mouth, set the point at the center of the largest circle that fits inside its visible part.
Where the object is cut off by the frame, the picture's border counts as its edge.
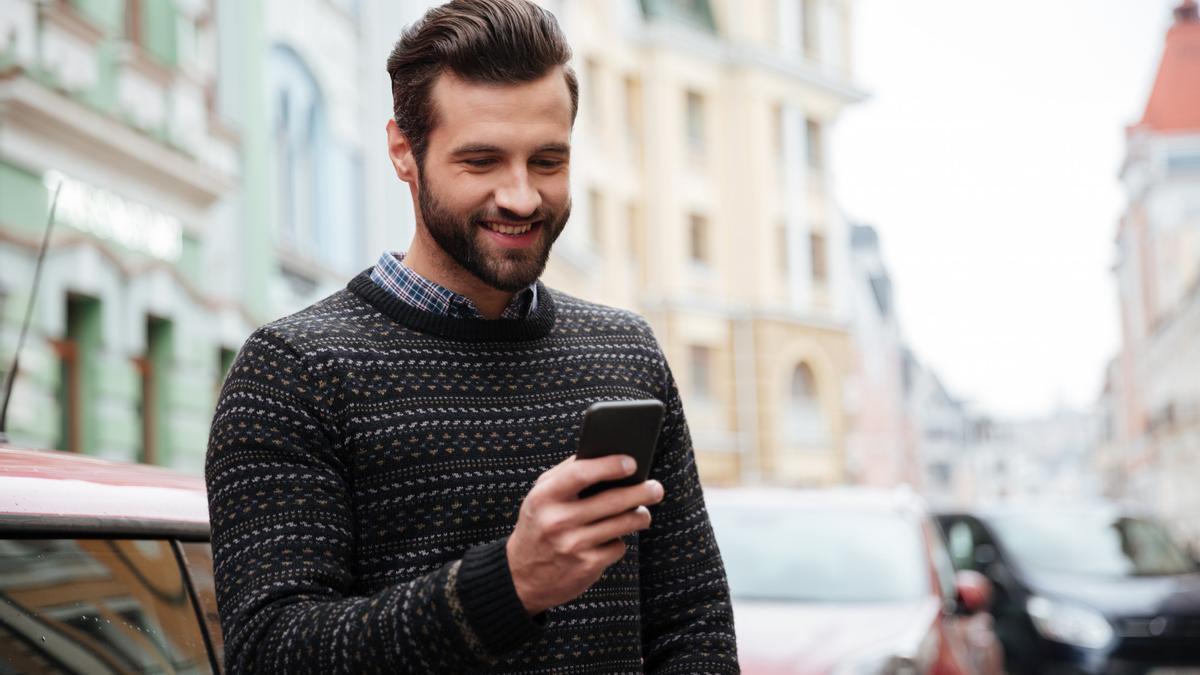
(512, 230)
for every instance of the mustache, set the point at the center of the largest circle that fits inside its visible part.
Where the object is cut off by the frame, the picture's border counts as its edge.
(507, 216)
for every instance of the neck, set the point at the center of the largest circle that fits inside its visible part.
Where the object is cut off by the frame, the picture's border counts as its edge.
(428, 259)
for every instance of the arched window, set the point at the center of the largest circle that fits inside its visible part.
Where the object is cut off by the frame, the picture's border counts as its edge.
(804, 422)
(299, 136)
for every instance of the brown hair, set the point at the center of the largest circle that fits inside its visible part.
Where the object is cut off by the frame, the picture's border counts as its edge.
(485, 41)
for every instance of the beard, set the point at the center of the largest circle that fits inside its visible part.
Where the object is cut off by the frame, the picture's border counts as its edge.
(509, 270)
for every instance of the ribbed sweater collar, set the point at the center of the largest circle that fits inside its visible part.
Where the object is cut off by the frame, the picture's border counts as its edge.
(536, 325)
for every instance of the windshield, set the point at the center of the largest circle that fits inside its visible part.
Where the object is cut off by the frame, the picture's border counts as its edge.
(813, 556)
(1091, 543)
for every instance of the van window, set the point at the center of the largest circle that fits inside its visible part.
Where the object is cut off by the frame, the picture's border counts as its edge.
(96, 606)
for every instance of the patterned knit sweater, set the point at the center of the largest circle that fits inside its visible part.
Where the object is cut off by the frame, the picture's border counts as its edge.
(366, 465)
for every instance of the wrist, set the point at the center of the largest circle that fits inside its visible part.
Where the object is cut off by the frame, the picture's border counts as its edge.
(524, 594)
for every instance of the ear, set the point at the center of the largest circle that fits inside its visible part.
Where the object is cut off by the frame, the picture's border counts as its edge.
(401, 154)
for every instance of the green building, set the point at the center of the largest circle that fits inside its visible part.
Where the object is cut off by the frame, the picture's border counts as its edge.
(146, 117)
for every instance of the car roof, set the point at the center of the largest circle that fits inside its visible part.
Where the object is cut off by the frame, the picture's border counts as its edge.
(47, 492)
(843, 499)
(1034, 508)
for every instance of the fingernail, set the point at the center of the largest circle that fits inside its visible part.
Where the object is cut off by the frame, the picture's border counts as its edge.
(657, 488)
(628, 464)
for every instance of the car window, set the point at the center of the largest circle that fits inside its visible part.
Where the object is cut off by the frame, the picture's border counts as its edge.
(96, 606)
(798, 555)
(961, 542)
(198, 559)
(1091, 544)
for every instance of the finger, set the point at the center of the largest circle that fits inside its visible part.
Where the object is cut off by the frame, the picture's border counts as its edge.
(610, 553)
(618, 500)
(557, 468)
(566, 483)
(601, 533)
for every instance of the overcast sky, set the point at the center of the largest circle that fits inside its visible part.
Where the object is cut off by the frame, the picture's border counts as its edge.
(987, 157)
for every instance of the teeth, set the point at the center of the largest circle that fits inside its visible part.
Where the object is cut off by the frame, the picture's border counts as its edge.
(509, 229)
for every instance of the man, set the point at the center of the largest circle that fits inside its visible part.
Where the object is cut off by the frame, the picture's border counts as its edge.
(391, 475)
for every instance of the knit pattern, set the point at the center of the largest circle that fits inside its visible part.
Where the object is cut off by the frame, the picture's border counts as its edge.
(366, 465)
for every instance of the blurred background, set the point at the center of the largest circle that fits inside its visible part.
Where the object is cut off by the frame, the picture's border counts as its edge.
(948, 245)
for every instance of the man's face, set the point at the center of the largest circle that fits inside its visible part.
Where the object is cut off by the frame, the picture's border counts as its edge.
(494, 188)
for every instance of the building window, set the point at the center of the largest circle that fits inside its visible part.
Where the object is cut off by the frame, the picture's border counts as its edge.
(76, 353)
(302, 153)
(591, 74)
(595, 217)
(695, 123)
(153, 25)
(633, 116)
(779, 138)
(700, 368)
(781, 249)
(815, 146)
(637, 237)
(225, 359)
(820, 261)
(695, 14)
(70, 412)
(133, 21)
(805, 424)
(809, 28)
(155, 371)
(698, 234)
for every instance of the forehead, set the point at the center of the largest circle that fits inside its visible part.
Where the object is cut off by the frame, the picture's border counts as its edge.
(538, 111)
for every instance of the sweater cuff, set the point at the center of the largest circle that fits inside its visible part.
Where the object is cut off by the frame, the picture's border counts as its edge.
(489, 600)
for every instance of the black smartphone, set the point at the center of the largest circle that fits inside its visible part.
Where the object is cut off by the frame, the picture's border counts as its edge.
(621, 428)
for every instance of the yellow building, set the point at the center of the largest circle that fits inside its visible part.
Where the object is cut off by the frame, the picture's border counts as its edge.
(703, 201)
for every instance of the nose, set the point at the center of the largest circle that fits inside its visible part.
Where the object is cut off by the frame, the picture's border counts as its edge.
(519, 196)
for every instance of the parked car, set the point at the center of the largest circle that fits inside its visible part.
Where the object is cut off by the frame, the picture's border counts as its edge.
(1083, 589)
(848, 582)
(104, 568)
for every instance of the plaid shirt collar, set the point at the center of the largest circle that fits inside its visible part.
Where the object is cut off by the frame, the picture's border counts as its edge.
(413, 289)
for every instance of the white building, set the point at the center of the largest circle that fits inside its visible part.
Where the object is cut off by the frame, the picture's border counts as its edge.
(1154, 385)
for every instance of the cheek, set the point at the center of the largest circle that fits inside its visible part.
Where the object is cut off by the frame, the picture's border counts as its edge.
(464, 194)
(557, 192)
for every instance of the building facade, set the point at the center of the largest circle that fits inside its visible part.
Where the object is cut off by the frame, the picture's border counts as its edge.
(702, 200)
(113, 107)
(224, 163)
(882, 444)
(221, 163)
(1152, 394)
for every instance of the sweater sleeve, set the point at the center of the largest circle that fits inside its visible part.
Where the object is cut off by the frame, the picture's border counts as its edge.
(283, 533)
(687, 619)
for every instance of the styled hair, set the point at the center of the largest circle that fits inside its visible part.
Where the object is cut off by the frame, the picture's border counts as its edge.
(481, 41)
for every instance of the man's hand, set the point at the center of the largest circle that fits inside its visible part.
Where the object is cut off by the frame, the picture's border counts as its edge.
(561, 543)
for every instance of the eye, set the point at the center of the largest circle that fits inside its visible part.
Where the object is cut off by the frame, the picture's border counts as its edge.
(479, 162)
(547, 163)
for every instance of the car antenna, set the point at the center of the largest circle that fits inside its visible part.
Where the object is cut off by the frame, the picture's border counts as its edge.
(11, 377)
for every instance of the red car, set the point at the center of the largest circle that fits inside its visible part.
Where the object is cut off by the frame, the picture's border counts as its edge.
(104, 567)
(848, 582)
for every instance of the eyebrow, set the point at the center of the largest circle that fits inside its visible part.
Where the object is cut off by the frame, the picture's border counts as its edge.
(484, 148)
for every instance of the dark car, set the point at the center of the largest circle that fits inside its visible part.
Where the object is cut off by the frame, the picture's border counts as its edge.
(105, 567)
(1083, 589)
(848, 582)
